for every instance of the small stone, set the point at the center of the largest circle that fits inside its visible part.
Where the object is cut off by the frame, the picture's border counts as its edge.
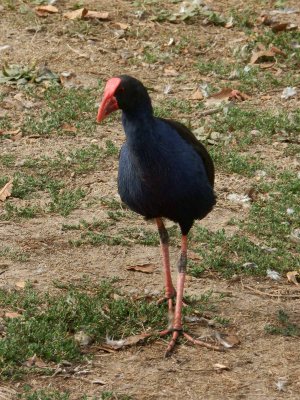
(82, 338)
(255, 132)
(295, 235)
(215, 135)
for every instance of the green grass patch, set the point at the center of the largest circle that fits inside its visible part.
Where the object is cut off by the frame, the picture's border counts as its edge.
(42, 394)
(47, 394)
(79, 161)
(268, 218)
(268, 123)
(63, 106)
(15, 212)
(14, 254)
(65, 201)
(247, 78)
(283, 327)
(237, 254)
(233, 162)
(171, 107)
(48, 322)
(7, 160)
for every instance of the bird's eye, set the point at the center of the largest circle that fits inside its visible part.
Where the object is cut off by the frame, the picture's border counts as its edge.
(120, 90)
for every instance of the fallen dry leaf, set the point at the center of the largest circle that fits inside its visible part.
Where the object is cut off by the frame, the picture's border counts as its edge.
(276, 50)
(69, 128)
(292, 277)
(197, 95)
(218, 97)
(285, 26)
(97, 15)
(267, 65)
(262, 56)
(98, 382)
(12, 314)
(129, 341)
(237, 95)
(14, 135)
(227, 340)
(280, 27)
(76, 14)
(221, 367)
(146, 268)
(123, 26)
(6, 190)
(106, 348)
(135, 339)
(35, 361)
(227, 94)
(170, 72)
(48, 9)
(194, 256)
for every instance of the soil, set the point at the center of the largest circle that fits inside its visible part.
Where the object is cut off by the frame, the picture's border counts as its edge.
(260, 361)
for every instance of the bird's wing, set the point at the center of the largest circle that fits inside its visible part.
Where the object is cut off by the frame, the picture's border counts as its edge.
(188, 136)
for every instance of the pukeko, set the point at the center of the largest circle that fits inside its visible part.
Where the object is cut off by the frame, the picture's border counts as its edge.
(164, 172)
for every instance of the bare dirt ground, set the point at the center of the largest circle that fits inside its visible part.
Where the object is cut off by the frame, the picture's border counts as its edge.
(261, 360)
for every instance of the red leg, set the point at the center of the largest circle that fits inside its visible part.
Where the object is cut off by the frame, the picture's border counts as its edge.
(177, 325)
(169, 288)
(176, 320)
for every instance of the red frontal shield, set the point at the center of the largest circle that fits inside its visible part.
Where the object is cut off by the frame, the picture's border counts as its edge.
(109, 102)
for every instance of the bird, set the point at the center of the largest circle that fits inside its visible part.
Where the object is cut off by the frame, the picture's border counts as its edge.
(164, 173)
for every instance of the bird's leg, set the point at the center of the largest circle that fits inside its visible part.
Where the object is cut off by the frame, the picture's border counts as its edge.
(177, 325)
(169, 288)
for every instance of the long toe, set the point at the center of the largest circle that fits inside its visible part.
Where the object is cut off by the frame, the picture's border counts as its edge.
(172, 343)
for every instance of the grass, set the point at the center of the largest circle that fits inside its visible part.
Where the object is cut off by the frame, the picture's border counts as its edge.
(271, 225)
(247, 78)
(283, 327)
(268, 218)
(230, 255)
(14, 254)
(47, 394)
(234, 162)
(268, 123)
(65, 201)
(48, 322)
(66, 112)
(97, 233)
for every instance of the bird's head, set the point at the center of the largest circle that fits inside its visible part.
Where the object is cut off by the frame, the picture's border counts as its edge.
(125, 93)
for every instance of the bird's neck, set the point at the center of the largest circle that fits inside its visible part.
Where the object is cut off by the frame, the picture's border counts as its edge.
(138, 127)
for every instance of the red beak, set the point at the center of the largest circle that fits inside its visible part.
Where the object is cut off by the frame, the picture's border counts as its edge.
(109, 102)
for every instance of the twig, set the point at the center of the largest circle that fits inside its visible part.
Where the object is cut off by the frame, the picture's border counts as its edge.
(78, 52)
(2, 272)
(259, 292)
(201, 343)
(210, 112)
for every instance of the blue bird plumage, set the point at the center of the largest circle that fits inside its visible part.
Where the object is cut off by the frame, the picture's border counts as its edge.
(160, 173)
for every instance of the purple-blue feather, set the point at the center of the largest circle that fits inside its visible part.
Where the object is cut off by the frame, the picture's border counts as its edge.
(160, 173)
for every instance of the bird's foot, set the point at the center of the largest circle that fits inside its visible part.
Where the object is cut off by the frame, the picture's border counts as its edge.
(176, 332)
